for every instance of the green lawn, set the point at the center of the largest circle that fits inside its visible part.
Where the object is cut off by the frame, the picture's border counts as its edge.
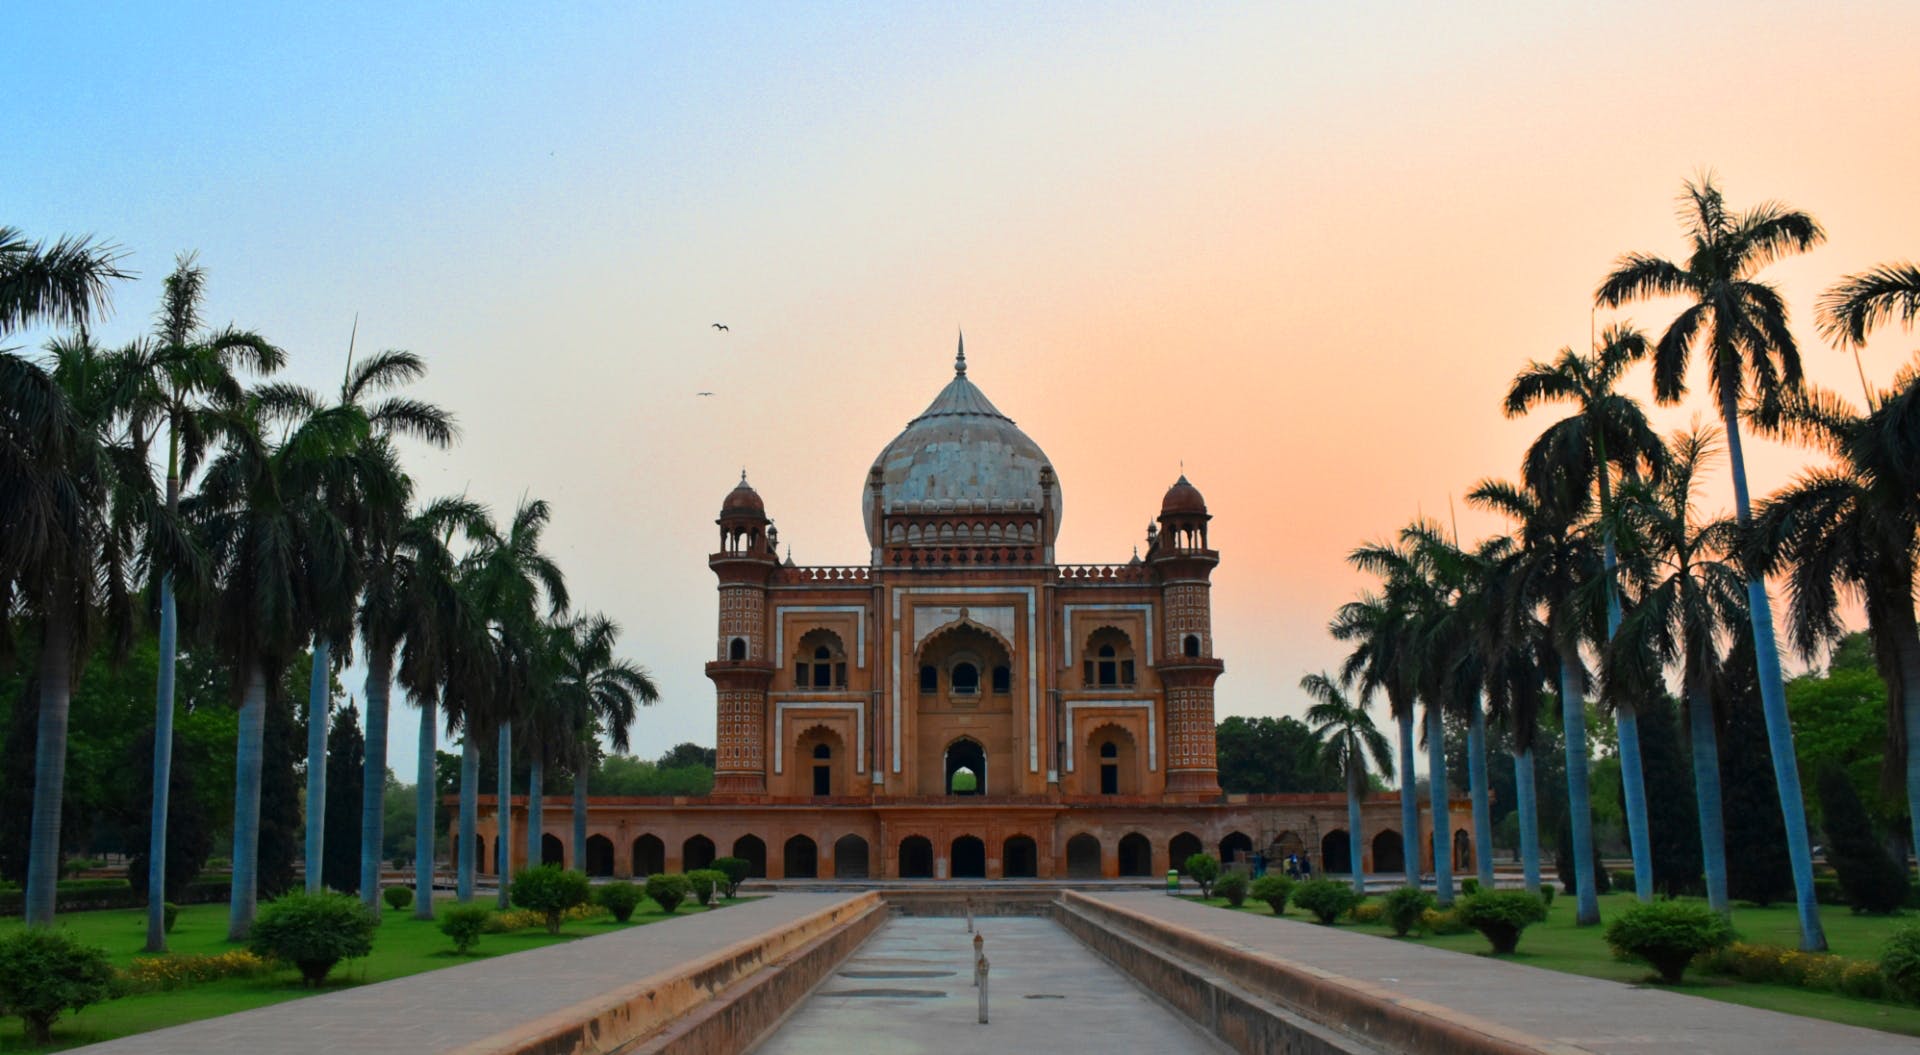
(1560, 946)
(402, 946)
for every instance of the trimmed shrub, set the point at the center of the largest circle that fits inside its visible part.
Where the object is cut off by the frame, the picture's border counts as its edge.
(1900, 963)
(313, 932)
(1327, 899)
(1233, 887)
(1546, 894)
(1442, 921)
(1405, 908)
(549, 890)
(736, 869)
(1469, 886)
(1807, 970)
(619, 898)
(157, 973)
(1826, 891)
(464, 924)
(705, 881)
(397, 897)
(1500, 916)
(169, 915)
(1367, 912)
(1274, 890)
(1203, 868)
(1622, 881)
(44, 972)
(1668, 935)
(668, 890)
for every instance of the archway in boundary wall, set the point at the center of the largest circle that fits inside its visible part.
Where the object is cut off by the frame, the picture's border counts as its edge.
(552, 850)
(649, 856)
(1136, 855)
(850, 858)
(1181, 847)
(1336, 852)
(1083, 857)
(599, 855)
(967, 859)
(1388, 853)
(750, 849)
(696, 852)
(916, 858)
(800, 858)
(1019, 858)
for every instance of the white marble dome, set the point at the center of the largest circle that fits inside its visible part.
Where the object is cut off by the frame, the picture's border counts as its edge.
(961, 455)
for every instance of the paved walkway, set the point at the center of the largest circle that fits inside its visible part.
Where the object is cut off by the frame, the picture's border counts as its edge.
(1583, 1014)
(456, 1006)
(909, 990)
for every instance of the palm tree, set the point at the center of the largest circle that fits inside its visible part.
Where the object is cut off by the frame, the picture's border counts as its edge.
(1555, 564)
(602, 693)
(1854, 526)
(374, 504)
(73, 498)
(510, 577)
(170, 380)
(1857, 304)
(470, 686)
(1347, 736)
(1516, 655)
(65, 283)
(1692, 592)
(1380, 627)
(272, 538)
(1607, 430)
(1741, 322)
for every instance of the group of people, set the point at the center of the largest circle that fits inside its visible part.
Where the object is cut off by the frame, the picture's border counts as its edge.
(1297, 865)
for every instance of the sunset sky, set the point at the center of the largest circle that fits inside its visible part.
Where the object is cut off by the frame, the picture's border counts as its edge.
(1301, 249)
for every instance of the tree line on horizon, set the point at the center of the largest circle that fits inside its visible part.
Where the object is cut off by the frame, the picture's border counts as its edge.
(1615, 589)
(172, 482)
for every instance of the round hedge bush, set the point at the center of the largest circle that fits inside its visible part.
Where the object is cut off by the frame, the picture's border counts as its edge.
(1233, 887)
(1900, 963)
(1405, 908)
(313, 932)
(737, 870)
(705, 881)
(397, 897)
(1500, 915)
(44, 972)
(1327, 899)
(1204, 868)
(618, 898)
(1668, 935)
(1274, 890)
(668, 890)
(549, 890)
(464, 924)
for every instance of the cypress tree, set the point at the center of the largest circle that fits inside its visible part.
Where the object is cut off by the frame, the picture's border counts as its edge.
(1673, 821)
(281, 834)
(189, 829)
(346, 769)
(1757, 867)
(1869, 877)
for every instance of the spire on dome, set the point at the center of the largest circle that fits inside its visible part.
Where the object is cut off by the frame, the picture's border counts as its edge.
(960, 359)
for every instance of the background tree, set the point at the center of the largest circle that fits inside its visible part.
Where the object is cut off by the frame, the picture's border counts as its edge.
(1869, 876)
(64, 283)
(1347, 737)
(1761, 872)
(1857, 304)
(1378, 625)
(1740, 323)
(346, 762)
(603, 693)
(1260, 756)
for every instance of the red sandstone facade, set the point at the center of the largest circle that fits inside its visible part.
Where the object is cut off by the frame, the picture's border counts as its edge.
(856, 704)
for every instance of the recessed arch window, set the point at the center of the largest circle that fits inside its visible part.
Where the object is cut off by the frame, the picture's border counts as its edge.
(966, 679)
(1108, 662)
(820, 661)
(929, 678)
(737, 649)
(1192, 645)
(1002, 679)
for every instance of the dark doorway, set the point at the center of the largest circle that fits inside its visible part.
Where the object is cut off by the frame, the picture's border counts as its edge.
(969, 858)
(1234, 847)
(850, 858)
(649, 856)
(599, 855)
(480, 854)
(1336, 852)
(801, 858)
(1462, 850)
(1136, 855)
(1109, 768)
(750, 849)
(1181, 847)
(1388, 854)
(1083, 857)
(1019, 858)
(696, 852)
(967, 754)
(822, 769)
(552, 851)
(916, 858)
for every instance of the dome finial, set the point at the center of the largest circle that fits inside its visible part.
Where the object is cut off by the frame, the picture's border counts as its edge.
(960, 360)
(743, 474)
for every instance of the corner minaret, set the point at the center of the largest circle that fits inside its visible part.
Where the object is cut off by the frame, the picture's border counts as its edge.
(1182, 566)
(741, 669)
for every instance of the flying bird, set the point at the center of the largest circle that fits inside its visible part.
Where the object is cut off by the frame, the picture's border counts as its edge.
(720, 326)
(703, 393)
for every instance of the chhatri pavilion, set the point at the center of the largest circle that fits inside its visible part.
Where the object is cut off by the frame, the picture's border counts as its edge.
(965, 704)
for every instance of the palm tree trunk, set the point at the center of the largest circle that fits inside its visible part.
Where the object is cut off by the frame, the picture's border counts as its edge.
(1477, 788)
(373, 790)
(248, 756)
(319, 704)
(469, 815)
(162, 770)
(1633, 786)
(503, 835)
(1910, 720)
(536, 822)
(1523, 802)
(426, 782)
(580, 817)
(1773, 702)
(1706, 793)
(1355, 843)
(1437, 797)
(1409, 803)
(50, 762)
(1573, 720)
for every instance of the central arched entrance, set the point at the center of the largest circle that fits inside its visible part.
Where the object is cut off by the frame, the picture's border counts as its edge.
(968, 859)
(966, 753)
